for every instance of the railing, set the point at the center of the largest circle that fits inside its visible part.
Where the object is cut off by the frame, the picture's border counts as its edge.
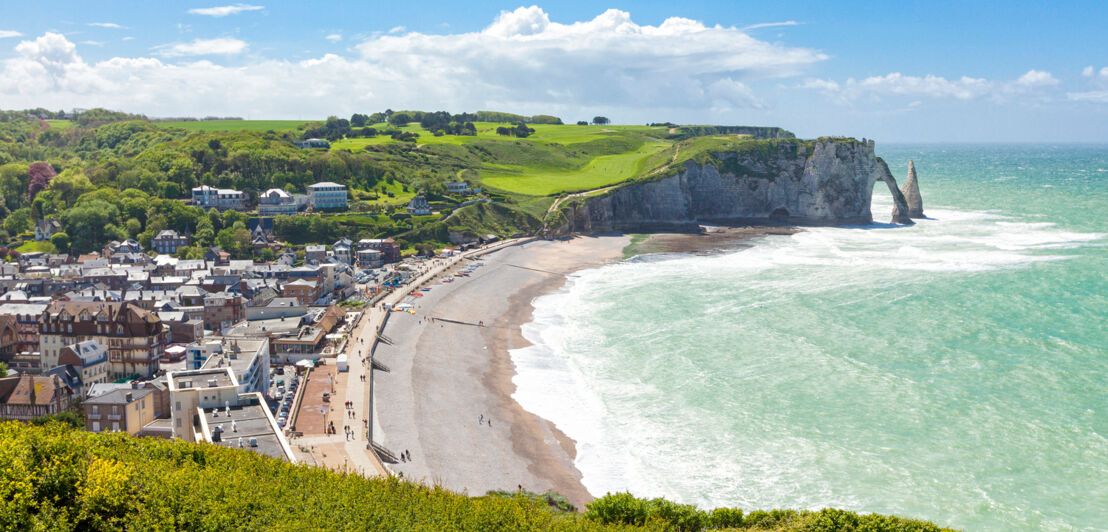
(93, 416)
(114, 417)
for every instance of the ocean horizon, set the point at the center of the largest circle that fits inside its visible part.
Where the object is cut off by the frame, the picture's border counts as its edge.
(952, 370)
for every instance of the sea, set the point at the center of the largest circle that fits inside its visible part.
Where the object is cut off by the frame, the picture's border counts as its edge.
(954, 371)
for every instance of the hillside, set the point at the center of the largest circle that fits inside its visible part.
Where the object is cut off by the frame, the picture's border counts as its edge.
(56, 478)
(121, 176)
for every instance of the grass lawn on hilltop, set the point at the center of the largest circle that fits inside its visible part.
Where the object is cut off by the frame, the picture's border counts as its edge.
(235, 125)
(599, 172)
(60, 124)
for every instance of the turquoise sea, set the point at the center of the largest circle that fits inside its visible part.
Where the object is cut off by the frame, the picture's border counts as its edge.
(955, 370)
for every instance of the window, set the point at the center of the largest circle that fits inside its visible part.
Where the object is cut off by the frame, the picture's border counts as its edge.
(96, 426)
(178, 407)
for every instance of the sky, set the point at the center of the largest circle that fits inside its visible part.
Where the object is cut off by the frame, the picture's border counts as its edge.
(894, 71)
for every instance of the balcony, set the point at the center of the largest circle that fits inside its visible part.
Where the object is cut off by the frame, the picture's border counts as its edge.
(115, 417)
(93, 416)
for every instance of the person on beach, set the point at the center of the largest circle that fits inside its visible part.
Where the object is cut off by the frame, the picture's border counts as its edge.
(490, 422)
(481, 419)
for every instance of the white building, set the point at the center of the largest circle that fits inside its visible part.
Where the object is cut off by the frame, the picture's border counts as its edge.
(219, 198)
(419, 206)
(207, 405)
(327, 195)
(248, 358)
(274, 202)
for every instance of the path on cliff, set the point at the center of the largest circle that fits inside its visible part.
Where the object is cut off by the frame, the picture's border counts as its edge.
(554, 206)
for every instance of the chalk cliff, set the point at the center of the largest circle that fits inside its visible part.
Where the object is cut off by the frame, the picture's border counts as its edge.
(911, 192)
(820, 182)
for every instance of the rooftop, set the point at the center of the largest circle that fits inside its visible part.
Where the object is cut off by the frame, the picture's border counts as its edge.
(202, 378)
(247, 426)
(119, 396)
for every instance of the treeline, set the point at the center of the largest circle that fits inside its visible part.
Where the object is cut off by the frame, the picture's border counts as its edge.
(520, 130)
(53, 477)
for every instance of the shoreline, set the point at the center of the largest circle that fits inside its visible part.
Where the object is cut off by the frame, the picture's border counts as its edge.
(446, 376)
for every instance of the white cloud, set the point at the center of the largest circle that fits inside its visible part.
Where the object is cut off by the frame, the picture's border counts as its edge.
(1087, 71)
(223, 11)
(521, 62)
(8, 33)
(111, 25)
(1037, 78)
(128, 38)
(397, 29)
(93, 43)
(771, 25)
(1029, 85)
(217, 46)
(334, 37)
(1089, 96)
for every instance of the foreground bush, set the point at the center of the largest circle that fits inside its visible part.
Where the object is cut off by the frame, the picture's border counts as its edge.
(55, 478)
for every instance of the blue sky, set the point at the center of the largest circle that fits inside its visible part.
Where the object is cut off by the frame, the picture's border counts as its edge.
(895, 71)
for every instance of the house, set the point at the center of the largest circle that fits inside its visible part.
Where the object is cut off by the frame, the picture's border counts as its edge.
(217, 256)
(122, 410)
(90, 359)
(459, 187)
(370, 258)
(218, 198)
(328, 196)
(115, 247)
(135, 337)
(419, 206)
(343, 250)
(9, 337)
(181, 328)
(222, 310)
(44, 229)
(275, 202)
(315, 254)
(311, 143)
(168, 242)
(25, 397)
(387, 246)
(303, 290)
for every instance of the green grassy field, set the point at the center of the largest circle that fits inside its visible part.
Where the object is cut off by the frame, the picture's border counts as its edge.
(235, 125)
(35, 245)
(60, 124)
(599, 172)
(584, 157)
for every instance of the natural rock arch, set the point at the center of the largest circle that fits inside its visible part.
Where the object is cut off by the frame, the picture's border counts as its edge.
(900, 205)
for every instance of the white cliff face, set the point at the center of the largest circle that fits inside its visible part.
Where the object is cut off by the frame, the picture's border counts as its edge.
(828, 182)
(911, 192)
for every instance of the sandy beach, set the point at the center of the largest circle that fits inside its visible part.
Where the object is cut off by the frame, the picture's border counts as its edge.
(448, 381)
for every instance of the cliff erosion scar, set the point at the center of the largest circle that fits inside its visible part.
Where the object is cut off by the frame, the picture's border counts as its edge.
(828, 181)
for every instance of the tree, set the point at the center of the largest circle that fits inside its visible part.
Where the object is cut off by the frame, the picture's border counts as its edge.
(3, 370)
(70, 185)
(60, 241)
(39, 176)
(358, 120)
(600, 120)
(18, 221)
(582, 123)
(92, 223)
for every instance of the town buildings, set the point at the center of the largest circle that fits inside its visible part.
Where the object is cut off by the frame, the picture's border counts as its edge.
(134, 336)
(167, 242)
(123, 410)
(419, 206)
(218, 198)
(89, 360)
(208, 405)
(328, 196)
(45, 228)
(275, 202)
(24, 397)
(390, 250)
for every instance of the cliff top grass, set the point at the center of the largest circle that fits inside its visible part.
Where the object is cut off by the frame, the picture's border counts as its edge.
(56, 478)
(234, 125)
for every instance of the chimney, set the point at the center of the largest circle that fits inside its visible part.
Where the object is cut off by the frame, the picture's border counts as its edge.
(129, 397)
